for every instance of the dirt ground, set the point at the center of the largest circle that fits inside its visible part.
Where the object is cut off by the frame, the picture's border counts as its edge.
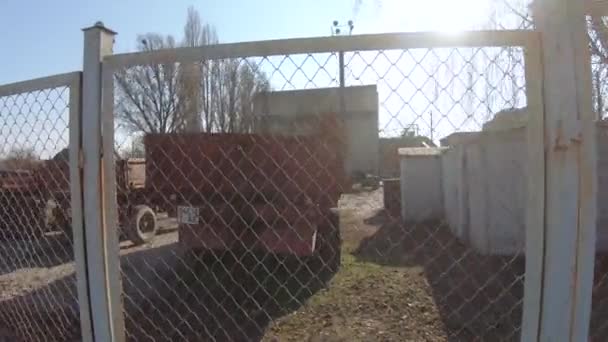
(395, 283)
(401, 283)
(38, 296)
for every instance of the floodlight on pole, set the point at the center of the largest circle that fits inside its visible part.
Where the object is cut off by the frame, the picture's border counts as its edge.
(336, 28)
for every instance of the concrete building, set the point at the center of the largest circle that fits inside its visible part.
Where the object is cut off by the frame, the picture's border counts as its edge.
(485, 190)
(292, 112)
(484, 186)
(421, 193)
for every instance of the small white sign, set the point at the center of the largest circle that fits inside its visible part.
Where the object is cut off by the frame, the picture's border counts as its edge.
(187, 215)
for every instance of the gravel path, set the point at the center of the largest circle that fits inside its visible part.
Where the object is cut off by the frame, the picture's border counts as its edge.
(38, 296)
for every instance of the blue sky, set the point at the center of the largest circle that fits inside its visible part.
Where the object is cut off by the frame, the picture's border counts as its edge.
(44, 36)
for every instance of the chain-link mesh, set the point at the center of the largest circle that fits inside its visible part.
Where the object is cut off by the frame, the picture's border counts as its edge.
(249, 189)
(596, 24)
(437, 95)
(598, 326)
(511, 15)
(38, 299)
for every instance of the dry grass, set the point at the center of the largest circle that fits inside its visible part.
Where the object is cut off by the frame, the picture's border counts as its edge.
(401, 283)
(365, 301)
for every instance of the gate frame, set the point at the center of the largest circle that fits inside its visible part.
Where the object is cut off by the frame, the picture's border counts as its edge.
(561, 155)
(73, 81)
(526, 39)
(560, 262)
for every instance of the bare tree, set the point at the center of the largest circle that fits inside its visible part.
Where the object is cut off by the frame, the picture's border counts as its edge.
(209, 95)
(226, 87)
(21, 159)
(597, 31)
(598, 45)
(148, 96)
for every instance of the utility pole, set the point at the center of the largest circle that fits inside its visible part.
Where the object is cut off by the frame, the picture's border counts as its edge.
(336, 30)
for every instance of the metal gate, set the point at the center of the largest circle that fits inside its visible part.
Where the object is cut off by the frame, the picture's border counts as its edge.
(231, 191)
(238, 253)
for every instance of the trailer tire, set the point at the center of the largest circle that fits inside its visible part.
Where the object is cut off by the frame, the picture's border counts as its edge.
(143, 226)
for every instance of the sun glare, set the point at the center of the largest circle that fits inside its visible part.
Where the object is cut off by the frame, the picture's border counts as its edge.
(448, 16)
(455, 16)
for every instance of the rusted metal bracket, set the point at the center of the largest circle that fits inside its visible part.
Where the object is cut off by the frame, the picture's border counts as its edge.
(568, 135)
(80, 159)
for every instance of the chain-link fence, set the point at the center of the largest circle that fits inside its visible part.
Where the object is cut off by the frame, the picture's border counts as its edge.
(251, 208)
(375, 187)
(38, 297)
(599, 330)
(596, 28)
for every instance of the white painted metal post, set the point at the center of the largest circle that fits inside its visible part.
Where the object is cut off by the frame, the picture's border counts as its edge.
(568, 246)
(78, 233)
(535, 206)
(102, 255)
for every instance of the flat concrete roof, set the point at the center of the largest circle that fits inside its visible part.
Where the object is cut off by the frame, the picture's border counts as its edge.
(420, 151)
(459, 138)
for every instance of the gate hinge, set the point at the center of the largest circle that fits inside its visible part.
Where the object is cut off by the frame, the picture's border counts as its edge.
(568, 134)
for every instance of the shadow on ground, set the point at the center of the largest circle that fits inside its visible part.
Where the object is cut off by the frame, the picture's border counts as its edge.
(478, 297)
(170, 296)
(48, 313)
(45, 251)
(228, 297)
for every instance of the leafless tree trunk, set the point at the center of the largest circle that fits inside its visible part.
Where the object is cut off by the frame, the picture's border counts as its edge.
(206, 95)
(21, 159)
(598, 45)
(147, 96)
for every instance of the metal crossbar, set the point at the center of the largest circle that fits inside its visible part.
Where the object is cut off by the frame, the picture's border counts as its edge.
(40, 291)
(231, 173)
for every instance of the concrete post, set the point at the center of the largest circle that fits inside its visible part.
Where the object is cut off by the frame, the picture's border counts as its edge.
(560, 252)
(101, 266)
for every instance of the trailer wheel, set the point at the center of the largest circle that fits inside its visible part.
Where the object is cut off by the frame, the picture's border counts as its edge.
(143, 225)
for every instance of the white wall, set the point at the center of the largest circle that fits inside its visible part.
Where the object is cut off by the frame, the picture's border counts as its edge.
(485, 204)
(496, 182)
(477, 185)
(286, 112)
(455, 193)
(421, 190)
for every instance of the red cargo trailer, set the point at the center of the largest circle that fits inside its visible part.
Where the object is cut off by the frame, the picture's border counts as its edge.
(249, 191)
